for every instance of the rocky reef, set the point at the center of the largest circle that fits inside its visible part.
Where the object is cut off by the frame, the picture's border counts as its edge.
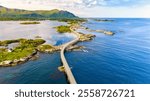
(105, 32)
(75, 48)
(103, 20)
(99, 31)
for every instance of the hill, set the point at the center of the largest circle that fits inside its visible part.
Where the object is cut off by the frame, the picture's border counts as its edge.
(19, 14)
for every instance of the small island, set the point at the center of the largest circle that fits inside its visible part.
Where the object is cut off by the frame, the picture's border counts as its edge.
(25, 50)
(99, 31)
(63, 29)
(29, 22)
(103, 20)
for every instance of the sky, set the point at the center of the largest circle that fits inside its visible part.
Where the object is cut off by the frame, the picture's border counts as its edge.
(87, 8)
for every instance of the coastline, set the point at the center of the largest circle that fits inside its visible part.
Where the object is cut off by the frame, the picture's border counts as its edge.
(45, 48)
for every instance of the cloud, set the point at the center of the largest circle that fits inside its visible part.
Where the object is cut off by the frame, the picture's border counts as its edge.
(93, 3)
(85, 7)
(82, 3)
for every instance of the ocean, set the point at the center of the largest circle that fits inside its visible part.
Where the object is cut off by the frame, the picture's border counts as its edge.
(123, 58)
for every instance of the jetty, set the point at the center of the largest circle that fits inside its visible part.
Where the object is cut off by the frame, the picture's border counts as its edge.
(68, 71)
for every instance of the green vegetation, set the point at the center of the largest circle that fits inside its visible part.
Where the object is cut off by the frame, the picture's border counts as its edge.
(18, 14)
(6, 42)
(30, 22)
(74, 20)
(86, 37)
(3, 49)
(63, 29)
(61, 69)
(17, 53)
(25, 48)
(45, 47)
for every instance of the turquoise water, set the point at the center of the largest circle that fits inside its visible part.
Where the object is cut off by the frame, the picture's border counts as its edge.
(123, 58)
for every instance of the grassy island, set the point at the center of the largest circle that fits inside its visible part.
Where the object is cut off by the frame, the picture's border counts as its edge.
(29, 22)
(63, 29)
(24, 51)
(47, 48)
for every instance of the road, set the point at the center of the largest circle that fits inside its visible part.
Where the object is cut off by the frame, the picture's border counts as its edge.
(68, 71)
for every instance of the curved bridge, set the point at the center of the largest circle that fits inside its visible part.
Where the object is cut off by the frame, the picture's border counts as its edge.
(68, 71)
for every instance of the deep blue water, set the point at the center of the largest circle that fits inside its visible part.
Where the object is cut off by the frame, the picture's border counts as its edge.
(123, 58)
(120, 59)
(41, 71)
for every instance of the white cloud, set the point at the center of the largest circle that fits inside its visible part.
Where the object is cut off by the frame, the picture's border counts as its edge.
(97, 8)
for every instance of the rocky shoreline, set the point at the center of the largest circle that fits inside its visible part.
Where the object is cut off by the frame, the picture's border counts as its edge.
(15, 62)
(99, 31)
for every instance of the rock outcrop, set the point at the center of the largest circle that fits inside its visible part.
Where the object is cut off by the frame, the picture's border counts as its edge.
(99, 31)
(75, 48)
(48, 48)
(86, 37)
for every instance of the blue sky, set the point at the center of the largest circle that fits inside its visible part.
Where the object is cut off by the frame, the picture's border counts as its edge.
(87, 8)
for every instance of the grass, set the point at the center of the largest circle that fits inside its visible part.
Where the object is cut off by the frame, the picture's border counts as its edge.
(30, 22)
(6, 42)
(45, 47)
(16, 54)
(63, 29)
(25, 48)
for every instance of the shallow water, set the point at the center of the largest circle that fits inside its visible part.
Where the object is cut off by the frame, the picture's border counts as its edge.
(46, 30)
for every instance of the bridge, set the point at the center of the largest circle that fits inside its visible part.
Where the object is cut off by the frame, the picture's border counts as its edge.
(68, 71)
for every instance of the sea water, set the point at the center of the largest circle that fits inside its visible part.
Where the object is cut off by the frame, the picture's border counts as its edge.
(123, 58)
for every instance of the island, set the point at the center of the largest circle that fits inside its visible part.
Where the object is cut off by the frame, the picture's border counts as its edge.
(29, 22)
(103, 20)
(27, 49)
(63, 29)
(99, 31)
